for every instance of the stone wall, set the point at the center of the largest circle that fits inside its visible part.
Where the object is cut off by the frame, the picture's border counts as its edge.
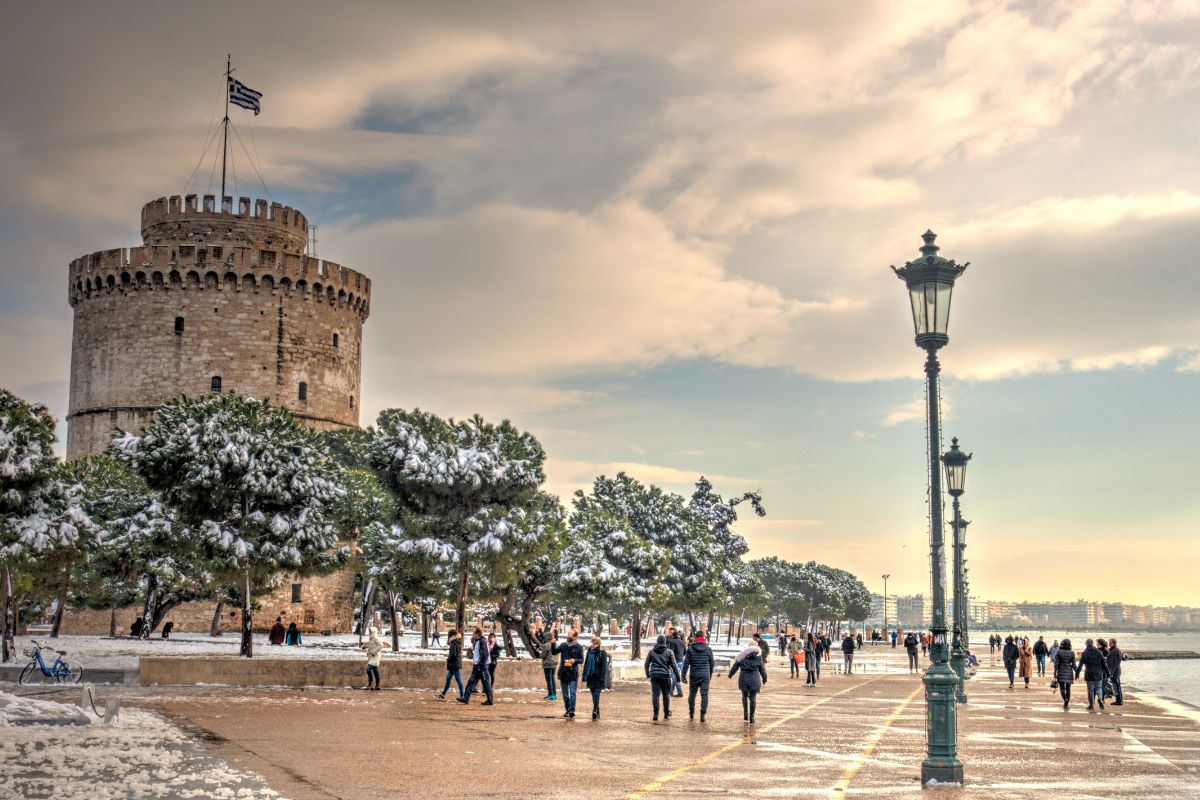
(326, 603)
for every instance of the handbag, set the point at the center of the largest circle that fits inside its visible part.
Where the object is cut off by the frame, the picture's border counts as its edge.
(1054, 683)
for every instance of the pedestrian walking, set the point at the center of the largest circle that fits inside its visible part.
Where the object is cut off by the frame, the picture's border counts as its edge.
(795, 655)
(812, 660)
(1095, 672)
(911, 643)
(859, 638)
(783, 639)
(1040, 651)
(763, 647)
(453, 663)
(493, 658)
(437, 632)
(1064, 670)
(167, 628)
(663, 673)
(374, 647)
(752, 675)
(699, 664)
(595, 672)
(1025, 660)
(480, 673)
(1010, 654)
(278, 632)
(549, 660)
(924, 644)
(679, 650)
(292, 637)
(1114, 658)
(1053, 653)
(848, 654)
(135, 630)
(570, 653)
(895, 638)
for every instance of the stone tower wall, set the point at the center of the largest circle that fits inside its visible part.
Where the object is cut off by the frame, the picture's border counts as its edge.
(255, 312)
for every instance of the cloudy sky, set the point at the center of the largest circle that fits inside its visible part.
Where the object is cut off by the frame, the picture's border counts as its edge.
(658, 235)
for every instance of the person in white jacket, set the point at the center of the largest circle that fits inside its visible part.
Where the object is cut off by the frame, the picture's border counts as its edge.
(374, 647)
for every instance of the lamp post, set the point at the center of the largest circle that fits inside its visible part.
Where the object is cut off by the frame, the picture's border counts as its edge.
(955, 462)
(930, 281)
(885, 619)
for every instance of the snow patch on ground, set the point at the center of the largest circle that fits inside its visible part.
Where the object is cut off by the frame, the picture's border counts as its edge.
(140, 755)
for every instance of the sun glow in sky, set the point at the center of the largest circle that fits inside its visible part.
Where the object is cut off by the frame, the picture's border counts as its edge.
(659, 238)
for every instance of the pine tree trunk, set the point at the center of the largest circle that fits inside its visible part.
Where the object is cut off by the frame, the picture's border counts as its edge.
(56, 626)
(148, 606)
(712, 618)
(247, 646)
(214, 629)
(112, 622)
(424, 627)
(8, 648)
(510, 646)
(160, 613)
(460, 611)
(368, 599)
(391, 598)
(635, 644)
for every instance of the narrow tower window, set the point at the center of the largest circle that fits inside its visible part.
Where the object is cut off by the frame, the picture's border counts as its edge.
(335, 340)
(215, 386)
(179, 326)
(303, 390)
(352, 401)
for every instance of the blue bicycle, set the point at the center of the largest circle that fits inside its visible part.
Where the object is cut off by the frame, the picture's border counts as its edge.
(59, 672)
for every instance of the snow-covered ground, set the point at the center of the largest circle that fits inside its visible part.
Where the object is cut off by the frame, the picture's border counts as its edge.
(138, 755)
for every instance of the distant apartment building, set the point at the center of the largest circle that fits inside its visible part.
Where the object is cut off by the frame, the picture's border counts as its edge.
(878, 616)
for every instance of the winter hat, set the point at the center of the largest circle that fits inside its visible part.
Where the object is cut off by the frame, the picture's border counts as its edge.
(661, 639)
(699, 638)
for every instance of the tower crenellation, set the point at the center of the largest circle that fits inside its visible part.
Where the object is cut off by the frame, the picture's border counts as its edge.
(218, 297)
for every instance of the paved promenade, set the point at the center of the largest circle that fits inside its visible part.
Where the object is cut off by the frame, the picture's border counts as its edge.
(851, 736)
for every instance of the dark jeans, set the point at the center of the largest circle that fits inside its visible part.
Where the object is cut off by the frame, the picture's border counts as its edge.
(549, 671)
(456, 675)
(1095, 692)
(1118, 695)
(698, 685)
(479, 673)
(596, 700)
(1064, 690)
(492, 673)
(569, 688)
(1011, 669)
(912, 660)
(661, 686)
(1041, 662)
(795, 667)
(848, 660)
(372, 672)
(811, 677)
(749, 702)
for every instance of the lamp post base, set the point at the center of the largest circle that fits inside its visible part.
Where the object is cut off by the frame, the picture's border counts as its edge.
(941, 723)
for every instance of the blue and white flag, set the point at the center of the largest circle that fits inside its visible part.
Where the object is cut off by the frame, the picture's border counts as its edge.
(243, 96)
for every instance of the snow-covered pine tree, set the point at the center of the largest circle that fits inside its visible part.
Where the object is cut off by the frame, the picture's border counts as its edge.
(402, 574)
(720, 515)
(40, 507)
(455, 481)
(613, 555)
(245, 478)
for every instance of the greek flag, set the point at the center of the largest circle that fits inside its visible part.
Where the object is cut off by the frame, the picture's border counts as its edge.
(243, 96)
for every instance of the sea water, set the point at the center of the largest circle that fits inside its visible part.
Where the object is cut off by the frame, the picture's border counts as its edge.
(1176, 678)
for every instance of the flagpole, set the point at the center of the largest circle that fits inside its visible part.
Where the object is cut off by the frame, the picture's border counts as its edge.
(225, 122)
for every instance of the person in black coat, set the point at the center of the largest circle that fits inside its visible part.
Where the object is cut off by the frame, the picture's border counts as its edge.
(1010, 655)
(481, 658)
(1114, 658)
(493, 657)
(1095, 672)
(679, 649)
(166, 631)
(570, 654)
(1040, 651)
(453, 664)
(700, 662)
(1064, 671)
(595, 670)
(911, 645)
(848, 653)
(662, 671)
(752, 675)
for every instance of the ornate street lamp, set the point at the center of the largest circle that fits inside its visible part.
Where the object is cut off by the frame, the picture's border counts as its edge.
(930, 281)
(885, 619)
(955, 461)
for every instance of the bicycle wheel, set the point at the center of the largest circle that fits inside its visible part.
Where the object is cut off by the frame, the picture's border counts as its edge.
(69, 674)
(27, 673)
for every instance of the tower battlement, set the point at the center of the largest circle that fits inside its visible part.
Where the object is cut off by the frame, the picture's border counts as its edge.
(197, 218)
(216, 299)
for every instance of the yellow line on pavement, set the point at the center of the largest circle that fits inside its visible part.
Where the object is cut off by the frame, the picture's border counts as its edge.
(860, 760)
(667, 777)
